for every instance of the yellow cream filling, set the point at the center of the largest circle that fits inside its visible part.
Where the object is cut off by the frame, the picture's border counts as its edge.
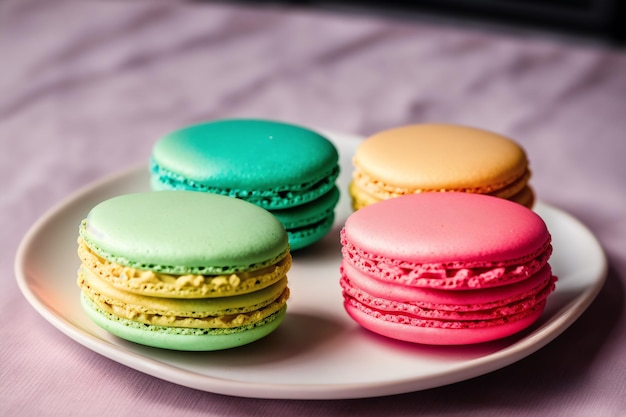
(223, 312)
(180, 286)
(383, 191)
(364, 192)
(211, 322)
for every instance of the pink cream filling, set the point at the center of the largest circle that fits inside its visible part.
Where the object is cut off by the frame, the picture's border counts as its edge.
(452, 300)
(450, 275)
(507, 307)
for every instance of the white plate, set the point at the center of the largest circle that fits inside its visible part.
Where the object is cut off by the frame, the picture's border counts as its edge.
(318, 352)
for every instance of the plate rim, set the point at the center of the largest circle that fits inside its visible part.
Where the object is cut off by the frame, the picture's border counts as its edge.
(529, 344)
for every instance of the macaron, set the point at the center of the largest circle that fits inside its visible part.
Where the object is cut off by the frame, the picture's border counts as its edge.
(286, 169)
(445, 268)
(183, 270)
(421, 158)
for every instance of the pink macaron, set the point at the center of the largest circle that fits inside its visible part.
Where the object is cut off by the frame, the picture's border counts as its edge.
(446, 268)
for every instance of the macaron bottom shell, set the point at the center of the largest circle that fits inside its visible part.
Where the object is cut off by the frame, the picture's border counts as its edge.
(179, 338)
(308, 223)
(430, 333)
(306, 236)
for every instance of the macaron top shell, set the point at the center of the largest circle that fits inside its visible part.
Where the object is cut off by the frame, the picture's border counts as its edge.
(184, 232)
(256, 160)
(436, 157)
(451, 229)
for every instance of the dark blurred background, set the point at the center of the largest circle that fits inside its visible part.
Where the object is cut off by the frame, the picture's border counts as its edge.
(601, 20)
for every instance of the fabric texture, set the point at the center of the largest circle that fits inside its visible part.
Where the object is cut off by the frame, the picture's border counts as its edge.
(86, 87)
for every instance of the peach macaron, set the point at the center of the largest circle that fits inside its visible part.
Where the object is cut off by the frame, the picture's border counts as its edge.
(421, 158)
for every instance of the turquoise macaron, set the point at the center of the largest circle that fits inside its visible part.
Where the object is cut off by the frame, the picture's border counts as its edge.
(286, 169)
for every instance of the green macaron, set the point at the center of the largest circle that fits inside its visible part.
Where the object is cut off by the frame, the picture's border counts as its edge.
(287, 169)
(183, 270)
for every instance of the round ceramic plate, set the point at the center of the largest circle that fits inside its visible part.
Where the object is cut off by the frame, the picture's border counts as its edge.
(318, 352)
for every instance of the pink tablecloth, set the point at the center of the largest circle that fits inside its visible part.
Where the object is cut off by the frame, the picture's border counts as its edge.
(87, 86)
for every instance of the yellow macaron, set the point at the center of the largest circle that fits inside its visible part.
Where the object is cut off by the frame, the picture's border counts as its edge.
(439, 157)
